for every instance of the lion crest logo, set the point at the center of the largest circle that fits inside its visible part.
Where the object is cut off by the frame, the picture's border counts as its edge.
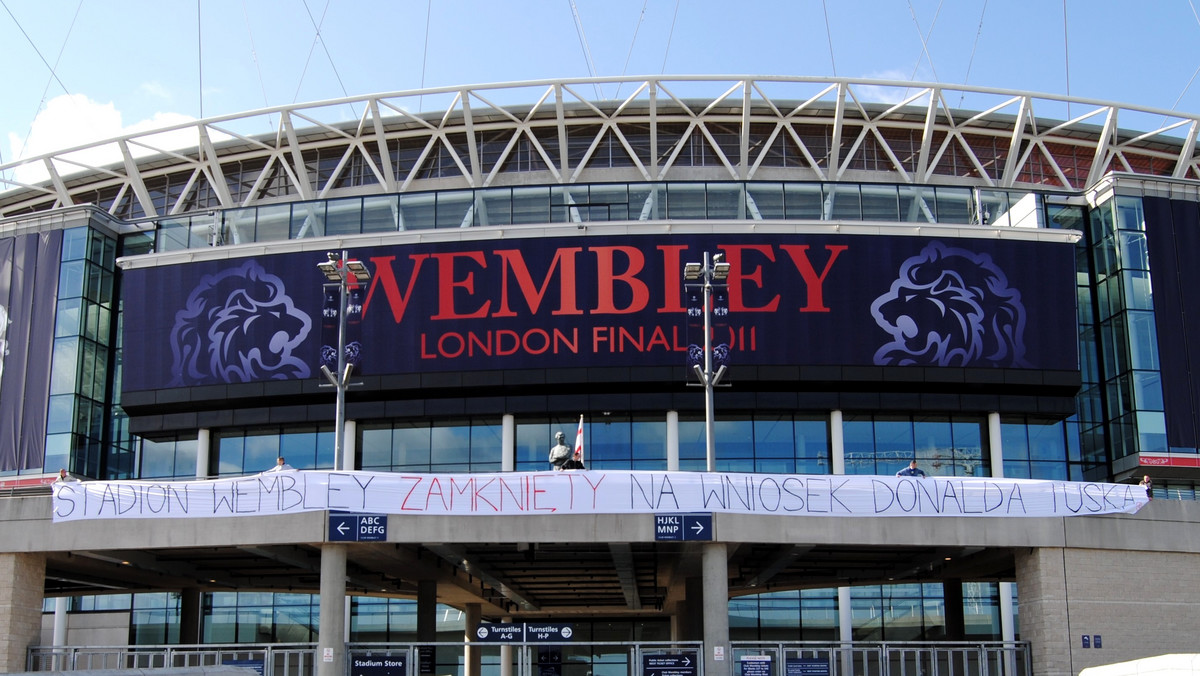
(951, 307)
(239, 325)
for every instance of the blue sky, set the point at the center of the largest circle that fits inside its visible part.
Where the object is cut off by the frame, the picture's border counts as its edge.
(135, 64)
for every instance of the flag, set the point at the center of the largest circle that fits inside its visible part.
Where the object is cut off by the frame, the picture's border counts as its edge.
(579, 439)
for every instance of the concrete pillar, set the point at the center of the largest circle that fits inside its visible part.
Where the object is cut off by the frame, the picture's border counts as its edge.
(506, 655)
(189, 615)
(846, 628)
(995, 444)
(22, 579)
(61, 605)
(1045, 622)
(331, 644)
(1008, 632)
(672, 441)
(715, 566)
(427, 611)
(472, 658)
(508, 443)
(203, 452)
(952, 601)
(350, 450)
(837, 443)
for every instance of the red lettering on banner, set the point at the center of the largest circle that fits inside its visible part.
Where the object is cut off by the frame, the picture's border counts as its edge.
(385, 277)
(738, 276)
(447, 283)
(815, 282)
(564, 259)
(404, 504)
(606, 279)
(672, 279)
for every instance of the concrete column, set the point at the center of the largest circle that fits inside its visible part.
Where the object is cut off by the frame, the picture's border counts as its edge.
(189, 615)
(715, 567)
(837, 443)
(995, 444)
(331, 644)
(672, 441)
(350, 450)
(22, 579)
(61, 605)
(203, 452)
(506, 654)
(846, 628)
(508, 443)
(472, 658)
(1008, 631)
(1045, 622)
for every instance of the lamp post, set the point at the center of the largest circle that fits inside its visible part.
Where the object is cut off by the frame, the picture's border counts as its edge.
(341, 271)
(713, 268)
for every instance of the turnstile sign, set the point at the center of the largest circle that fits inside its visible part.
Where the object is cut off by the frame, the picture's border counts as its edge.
(524, 632)
(670, 527)
(357, 527)
(669, 664)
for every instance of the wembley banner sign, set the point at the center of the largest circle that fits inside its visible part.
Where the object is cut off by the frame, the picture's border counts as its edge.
(607, 301)
(590, 492)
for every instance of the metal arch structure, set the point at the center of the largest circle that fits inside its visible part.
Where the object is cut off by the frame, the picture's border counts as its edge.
(833, 129)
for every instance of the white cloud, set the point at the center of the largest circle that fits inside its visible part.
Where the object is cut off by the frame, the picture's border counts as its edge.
(70, 121)
(880, 94)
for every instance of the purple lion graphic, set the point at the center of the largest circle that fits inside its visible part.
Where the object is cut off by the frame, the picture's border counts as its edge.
(239, 326)
(951, 307)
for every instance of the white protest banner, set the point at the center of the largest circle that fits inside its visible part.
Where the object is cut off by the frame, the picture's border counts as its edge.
(590, 492)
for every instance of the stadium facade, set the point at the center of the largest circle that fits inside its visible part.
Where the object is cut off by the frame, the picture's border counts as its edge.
(994, 283)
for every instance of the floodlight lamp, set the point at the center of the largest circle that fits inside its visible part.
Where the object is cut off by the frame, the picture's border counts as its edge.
(717, 258)
(692, 270)
(358, 269)
(330, 270)
(720, 270)
(334, 256)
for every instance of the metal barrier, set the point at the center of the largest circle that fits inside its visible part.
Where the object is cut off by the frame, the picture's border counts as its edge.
(940, 658)
(647, 658)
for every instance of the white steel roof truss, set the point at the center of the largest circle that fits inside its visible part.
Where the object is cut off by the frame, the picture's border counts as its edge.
(716, 148)
(186, 192)
(678, 148)
(387, 171)
(862, 134)
(303, 188)
(321, 125)
(412, 173)
(241, 137)
(962, 143)
(835, 145)
(817, 97)
(120, 197)
(744, 137)
(587, 156)
(537, 105)
(1104, 148)
(1187, 152)
(887, 149)
(922, 93)
(1077, 120)
(64, 195)
(583, 100)
(512, 143)
(403, 113)
(135, 179)
(211, 160)
(764, 150)
(687, 110)
(637, 161)
(499, 110)
(1012, 164)
(812, 161)
(449, 112)
(927, 136)
(765, 100)
(466, 173)
(476, 173)
(728, 93)
(252, 193)
(533, 139)
(560, 120)
(1047, 156)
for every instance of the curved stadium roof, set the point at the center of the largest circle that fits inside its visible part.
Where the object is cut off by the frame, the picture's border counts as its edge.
(551, 132)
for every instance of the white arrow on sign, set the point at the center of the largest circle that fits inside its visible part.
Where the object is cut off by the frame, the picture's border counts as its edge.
(342, 528)
(698, 527)
(687, 661)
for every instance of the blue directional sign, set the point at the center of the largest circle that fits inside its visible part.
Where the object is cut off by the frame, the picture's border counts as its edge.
(668, 527)
(357, 527)
(524, 632)
(669, 664)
